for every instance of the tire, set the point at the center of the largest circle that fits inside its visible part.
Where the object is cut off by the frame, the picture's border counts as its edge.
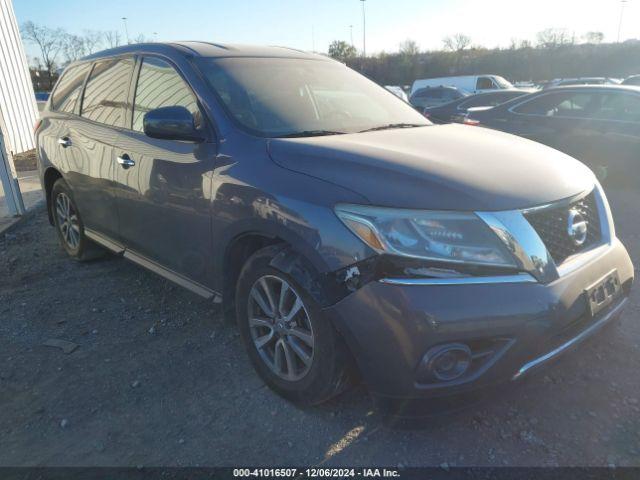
(69, 225)
(328, 370)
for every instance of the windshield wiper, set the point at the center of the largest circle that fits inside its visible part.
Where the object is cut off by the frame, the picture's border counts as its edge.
(389, 126)
(310, 133)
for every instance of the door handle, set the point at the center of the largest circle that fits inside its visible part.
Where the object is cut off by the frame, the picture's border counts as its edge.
(64, 142)
(126, 162)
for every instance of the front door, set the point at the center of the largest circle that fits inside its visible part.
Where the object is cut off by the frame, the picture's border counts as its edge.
(164, 186)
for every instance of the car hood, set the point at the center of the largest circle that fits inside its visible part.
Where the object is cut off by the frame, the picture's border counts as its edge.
(448, 167)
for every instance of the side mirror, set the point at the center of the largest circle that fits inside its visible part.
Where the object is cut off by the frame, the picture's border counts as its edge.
(171, 123)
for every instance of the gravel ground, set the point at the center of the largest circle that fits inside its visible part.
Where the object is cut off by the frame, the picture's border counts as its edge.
(159, 379)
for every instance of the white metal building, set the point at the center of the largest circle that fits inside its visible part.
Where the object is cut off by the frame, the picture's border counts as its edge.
(18, 109)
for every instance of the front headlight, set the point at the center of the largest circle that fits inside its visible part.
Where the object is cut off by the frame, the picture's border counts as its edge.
(454, 237)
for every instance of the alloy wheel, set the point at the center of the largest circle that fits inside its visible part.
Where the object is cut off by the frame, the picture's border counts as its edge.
(280, 328)
(68, 222)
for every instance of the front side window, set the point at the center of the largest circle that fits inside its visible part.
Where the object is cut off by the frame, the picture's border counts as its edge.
(283, 96)
(68, 89)
(484, 83)
(159, 85)
(105, 96)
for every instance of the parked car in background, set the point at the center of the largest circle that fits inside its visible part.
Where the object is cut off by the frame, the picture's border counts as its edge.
(41, 99)
(398, 92)
(431, 96)
(342, 230)
(565, 82)
(468, 84)
(632, 80)
(457, 110)
(599, 125)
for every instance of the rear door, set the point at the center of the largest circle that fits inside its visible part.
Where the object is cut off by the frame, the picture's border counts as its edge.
(93, 136)
(54, 135)
(164, 198)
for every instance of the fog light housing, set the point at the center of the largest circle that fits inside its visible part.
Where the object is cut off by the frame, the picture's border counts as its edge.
(446, 362)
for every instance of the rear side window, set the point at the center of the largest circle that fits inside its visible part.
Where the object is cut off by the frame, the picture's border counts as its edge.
(159, 85)
(428, 93)
(105, 96)
(449, 95)
(68, 89)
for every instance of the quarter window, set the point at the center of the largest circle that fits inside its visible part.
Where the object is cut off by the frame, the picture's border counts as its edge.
(159, 85)
(105, 96)
(68, 90)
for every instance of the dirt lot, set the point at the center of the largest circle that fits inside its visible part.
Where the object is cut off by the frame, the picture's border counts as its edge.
(159, 379)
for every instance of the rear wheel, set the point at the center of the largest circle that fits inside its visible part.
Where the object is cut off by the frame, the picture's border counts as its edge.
(69, 224)
(292, 346)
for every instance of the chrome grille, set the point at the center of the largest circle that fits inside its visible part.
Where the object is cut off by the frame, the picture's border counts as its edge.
(551, 224)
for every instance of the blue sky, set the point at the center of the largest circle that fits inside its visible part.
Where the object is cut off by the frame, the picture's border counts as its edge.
(313, 24)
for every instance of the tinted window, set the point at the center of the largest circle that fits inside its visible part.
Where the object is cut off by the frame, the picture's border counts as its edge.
(449, 95)
(484, 83)
(105, 97)
(159, 85)
(280, 96)
(68, 88)
(488, 100)
(561, 104)
(620, 106)
(428, 93)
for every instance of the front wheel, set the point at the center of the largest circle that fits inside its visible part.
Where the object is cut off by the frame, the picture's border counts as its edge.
(292, 346)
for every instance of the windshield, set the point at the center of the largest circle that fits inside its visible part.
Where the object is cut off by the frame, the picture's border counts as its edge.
(502, 83)
(274, 97)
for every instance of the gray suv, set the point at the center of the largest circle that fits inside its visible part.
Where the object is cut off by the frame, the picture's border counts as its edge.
(346, 234)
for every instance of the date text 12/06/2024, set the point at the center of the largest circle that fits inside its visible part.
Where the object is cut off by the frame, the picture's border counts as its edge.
(316, 472)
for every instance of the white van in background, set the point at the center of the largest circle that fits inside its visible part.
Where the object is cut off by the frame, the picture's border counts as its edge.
(467, 83)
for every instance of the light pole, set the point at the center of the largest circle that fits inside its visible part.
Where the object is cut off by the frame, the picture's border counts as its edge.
(155, 36)
(364, 32)
(351, 33)
(622, 5)
(126, 30)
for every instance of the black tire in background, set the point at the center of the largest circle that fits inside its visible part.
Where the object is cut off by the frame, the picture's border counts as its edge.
(69, 225)
(331, 366)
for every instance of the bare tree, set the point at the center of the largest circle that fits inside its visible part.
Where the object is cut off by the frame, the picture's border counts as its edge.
(409, 48)
(92, 40)
(140, 39)
(50, 43)
(554, 37)
(594, 37)
(457, 42)
(73, 47)
(112, 38)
